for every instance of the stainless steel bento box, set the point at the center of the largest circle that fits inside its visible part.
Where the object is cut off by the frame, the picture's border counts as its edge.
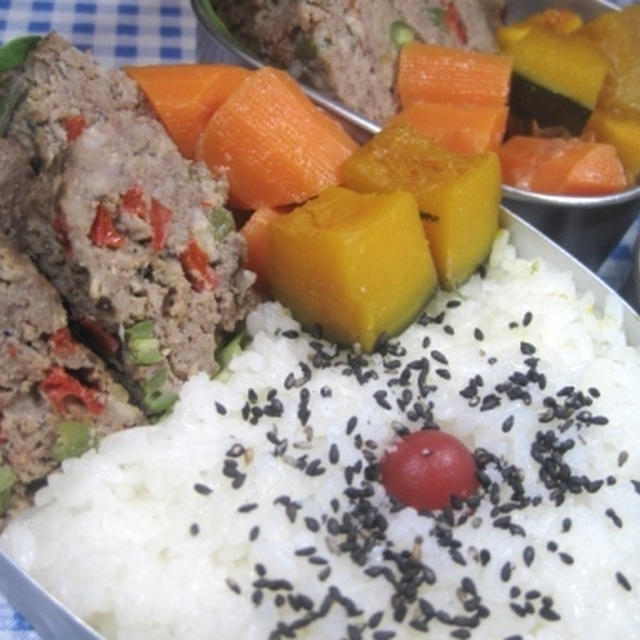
(588, 227)
(53, 621)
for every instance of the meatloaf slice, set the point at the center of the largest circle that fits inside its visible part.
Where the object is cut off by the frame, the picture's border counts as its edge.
(51, 387)
(65, 89)
(345, 48)
(16, 175)
(137, 242)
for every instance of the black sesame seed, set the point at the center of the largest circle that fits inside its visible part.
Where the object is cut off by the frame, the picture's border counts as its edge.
(528, 555)
(445, 374)
(202, 489)
(324, 574)
(566, 525)
(254, 533)
(194, 529)
(220, 408)
(305, 551)
(527, 349)
(351, 424)
(507, 425)
(246, 508)
(381, 398)
(312, 524)
(256, 597)
(622, 581)
(527, 318)
(334, 453)
(448, 329)
(615, 518)
(233, 585)
(505, 572)
(384, 635)
(549, 614)
(552, 546)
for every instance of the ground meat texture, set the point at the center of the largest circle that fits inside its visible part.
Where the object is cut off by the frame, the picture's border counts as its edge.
(122, 225)
(65, 89)
(344, 47)
(16, 175)
(46, 378)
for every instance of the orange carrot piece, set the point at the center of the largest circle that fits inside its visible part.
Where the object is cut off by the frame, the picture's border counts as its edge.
(274, 144)
(184, 96)
(562, 166)
(463, 128)
(434, 73)
(256, 236)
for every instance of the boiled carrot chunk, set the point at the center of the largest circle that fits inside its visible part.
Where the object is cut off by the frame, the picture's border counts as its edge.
(458, 194)
(273, 143)
(562, 166)
(255, 232)
(184, 96)
(623, 133)
(464, 128)
(435, 73)
(357, 265)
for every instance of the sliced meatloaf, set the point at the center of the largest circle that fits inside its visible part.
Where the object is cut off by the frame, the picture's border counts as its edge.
(56, 396)
(345, 48)
(64, 90)
(137, 242)
(16, 175)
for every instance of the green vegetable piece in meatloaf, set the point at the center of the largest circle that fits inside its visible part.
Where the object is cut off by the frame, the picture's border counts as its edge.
(74, 438)
(156, 400)
(226, 353)
(142, 344)
(306, 49)
(401, 33)
(223, 223)
(14, 52)
(12, 94)
(7, 480)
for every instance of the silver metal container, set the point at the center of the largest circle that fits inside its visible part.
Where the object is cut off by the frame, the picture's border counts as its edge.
(53, 621)
(588, 227)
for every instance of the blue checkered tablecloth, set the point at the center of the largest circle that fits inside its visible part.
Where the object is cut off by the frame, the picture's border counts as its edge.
(146, 32)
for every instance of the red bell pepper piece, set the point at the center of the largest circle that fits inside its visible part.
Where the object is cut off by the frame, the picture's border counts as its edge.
(61, 230)
(132, 201)
(62, 342)
(59, 387)
(159, 217)
(454, 22)
(102, 232)
(74, 126)
(195, 263)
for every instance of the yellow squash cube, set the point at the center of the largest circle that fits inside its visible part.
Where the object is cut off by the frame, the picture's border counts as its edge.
(623, 133)
(616, 34)
(357, 265)
(458, 194)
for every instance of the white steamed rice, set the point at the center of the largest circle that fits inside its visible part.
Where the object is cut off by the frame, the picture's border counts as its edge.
(129, 539)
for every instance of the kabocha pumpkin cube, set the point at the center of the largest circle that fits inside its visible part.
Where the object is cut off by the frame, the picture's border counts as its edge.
(616, 35)
(559, 20)
(623, 133)
(556, 77)
(458, 194)
(357, 265)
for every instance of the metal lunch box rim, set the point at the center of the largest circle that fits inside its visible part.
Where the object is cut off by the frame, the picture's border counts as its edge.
(225, 39)
(52, 620)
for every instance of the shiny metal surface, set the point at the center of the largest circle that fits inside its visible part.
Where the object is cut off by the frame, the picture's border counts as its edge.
(588, 227)
(55, 622)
